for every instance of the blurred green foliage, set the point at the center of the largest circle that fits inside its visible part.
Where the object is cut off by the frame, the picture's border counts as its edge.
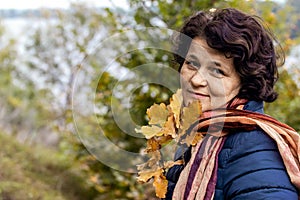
(73, 48)
(37, 173)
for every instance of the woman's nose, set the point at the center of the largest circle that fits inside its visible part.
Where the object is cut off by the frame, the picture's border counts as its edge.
(198, 79)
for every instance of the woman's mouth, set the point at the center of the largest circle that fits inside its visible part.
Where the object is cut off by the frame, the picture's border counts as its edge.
(198, 95)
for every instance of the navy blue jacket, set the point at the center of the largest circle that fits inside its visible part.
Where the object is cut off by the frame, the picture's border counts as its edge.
(249, 167)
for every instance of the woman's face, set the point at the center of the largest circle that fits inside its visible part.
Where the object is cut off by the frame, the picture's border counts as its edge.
(207, 75)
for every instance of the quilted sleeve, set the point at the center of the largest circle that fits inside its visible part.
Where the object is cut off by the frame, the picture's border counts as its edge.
(253, 169)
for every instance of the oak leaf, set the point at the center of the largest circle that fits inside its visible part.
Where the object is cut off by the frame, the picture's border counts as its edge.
(166, 124)
(170, 164)
(157, 114)
(190, 114)
(175, 106)
(149, 131)
(152, 145)
(160, 184)
(146, 175)
(169, 127)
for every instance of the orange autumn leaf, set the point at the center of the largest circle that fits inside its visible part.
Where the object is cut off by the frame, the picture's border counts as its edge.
(151, 163)
(149, 131)
(175, 106)
(169, 127)
(160, 184)
(192, 138)
(166, 124)
(164, 139)
(157, 114)
(197, 137)
(190, 114)
(146, 175)
(170, 164)
(155, 157)
(152, 145)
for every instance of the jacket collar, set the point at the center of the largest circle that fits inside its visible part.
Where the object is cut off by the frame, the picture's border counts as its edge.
(254, 106)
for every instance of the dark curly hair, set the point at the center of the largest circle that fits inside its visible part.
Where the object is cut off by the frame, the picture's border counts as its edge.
(241, 37)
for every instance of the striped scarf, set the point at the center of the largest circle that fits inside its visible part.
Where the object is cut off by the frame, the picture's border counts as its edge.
(199, 177)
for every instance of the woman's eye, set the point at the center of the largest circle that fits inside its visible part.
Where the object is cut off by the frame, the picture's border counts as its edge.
(217, 71)
(192, 64)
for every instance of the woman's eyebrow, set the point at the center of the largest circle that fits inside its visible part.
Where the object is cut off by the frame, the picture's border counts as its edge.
(214, 62)
(192, 56)
(217, 63)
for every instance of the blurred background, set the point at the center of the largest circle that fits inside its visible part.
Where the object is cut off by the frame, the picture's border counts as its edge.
(43, 47)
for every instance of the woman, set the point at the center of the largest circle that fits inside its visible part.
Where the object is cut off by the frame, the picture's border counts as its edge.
(230, 66)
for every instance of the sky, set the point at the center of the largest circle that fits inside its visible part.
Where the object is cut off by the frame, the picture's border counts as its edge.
(33, 4)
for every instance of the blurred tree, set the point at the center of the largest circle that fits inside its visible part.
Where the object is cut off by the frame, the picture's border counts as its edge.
(282, 18)
(18, 97)
(61, 53)
(7, 55)
(286, 107)
(55, 52)
(99, 51)
(8, 102)
(295, 27)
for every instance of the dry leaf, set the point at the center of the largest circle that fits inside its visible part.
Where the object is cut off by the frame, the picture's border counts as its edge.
(198, 136)
(160, 182)
(169, 127)
(189, 115)
(175, 106)
(154, 160)
(146, 175)
(158, 114)
(152, 163)
(192, 138)
(152, 145)
(149, 131)
(161, 185)
(164, 123)
(164, 139)
(170, 164)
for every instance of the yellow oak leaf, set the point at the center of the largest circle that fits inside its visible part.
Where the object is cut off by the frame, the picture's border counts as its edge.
(152, 145)
(192, 138)
(170, 164)
(149, 131)
(160, 184)
(175, 106)
(198, 136)
(164, 139)
(157, 114)
(151, 164)
(155, 158)
(190, 114)
(166, 124)
(146, 174)
(169, 127)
